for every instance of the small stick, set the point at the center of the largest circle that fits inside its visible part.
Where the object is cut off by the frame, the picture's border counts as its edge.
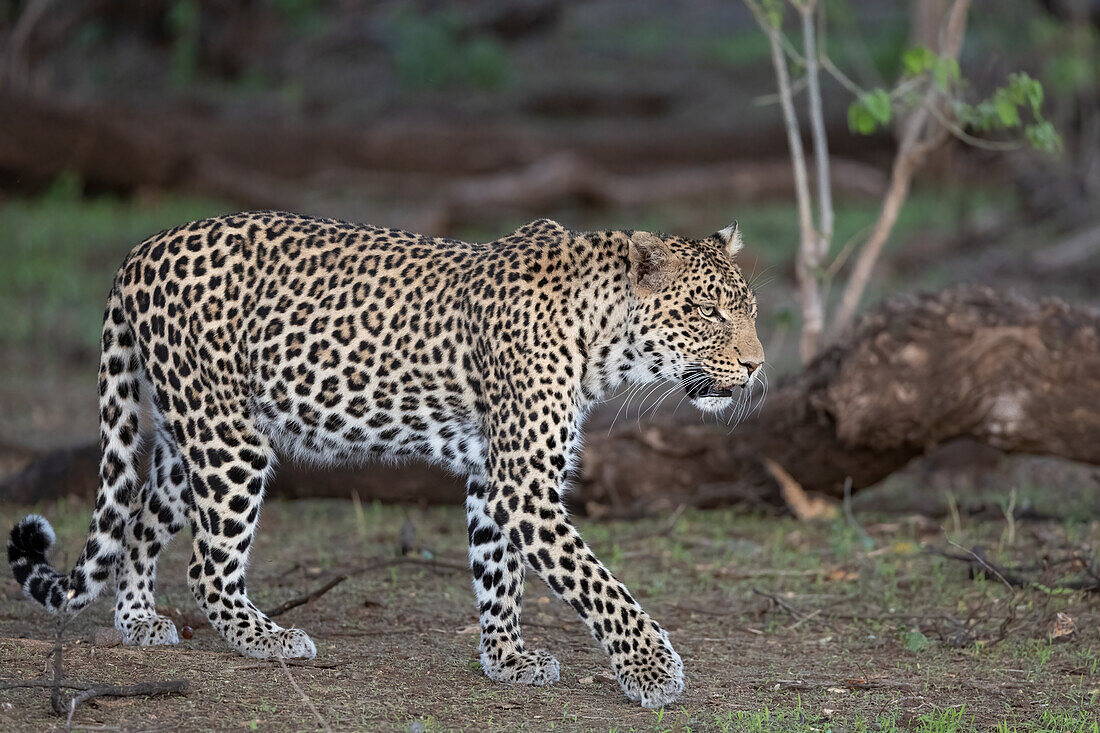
(779, 602)
(67, 684)
(390, 562)
(305, 697)
(142, 689)
(800, 621)
(977, 559)
(303, 600)
(989, 566)
(55, 688)
(268, 664)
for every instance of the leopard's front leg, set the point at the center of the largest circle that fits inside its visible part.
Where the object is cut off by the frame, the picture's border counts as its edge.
(524, 501)
(498, 584)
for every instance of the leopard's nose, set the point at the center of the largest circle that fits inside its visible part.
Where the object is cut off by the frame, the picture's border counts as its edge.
(750, 366)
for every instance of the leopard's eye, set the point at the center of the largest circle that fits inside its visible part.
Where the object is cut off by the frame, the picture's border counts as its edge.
(711, 313)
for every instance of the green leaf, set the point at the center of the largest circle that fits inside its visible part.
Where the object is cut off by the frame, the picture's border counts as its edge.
(860, 119)
(869, 111)
(878, 105)
(1007, 112)
(944, 72)
(773, 12)
(1034, 93)
(1044, 137)
(915, 641)
(918, 60)
(984, 116)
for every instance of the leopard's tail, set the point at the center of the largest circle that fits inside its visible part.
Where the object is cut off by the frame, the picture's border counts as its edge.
(119, 411)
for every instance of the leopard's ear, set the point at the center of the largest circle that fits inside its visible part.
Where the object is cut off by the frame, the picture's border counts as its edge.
(730, 237)
(651, 263)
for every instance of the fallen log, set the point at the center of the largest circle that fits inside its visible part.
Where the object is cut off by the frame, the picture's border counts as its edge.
(917, 372)
(184, 150)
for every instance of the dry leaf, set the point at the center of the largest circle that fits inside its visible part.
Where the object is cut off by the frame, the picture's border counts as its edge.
(471, 629)
(840, 574)
(1063, 625)
(801, 504)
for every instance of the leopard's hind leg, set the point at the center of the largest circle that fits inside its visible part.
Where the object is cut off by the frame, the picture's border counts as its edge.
(227, 461)
(161, 513)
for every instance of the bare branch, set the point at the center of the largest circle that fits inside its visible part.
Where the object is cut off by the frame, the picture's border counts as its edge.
(58, 649)
(813, 311)
(307, 598)
(785, 42)
(66, 684)
(817, 128)
(977, 142)
(912, 150)
(143, 689)
(16, 72)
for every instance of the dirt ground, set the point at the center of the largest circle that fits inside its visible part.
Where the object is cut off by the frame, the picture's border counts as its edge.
(782, 626)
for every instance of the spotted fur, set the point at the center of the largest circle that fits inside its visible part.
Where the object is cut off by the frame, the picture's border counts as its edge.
(333, 342)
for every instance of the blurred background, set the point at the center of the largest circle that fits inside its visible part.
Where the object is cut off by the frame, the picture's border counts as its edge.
(941, 597)
(122, 117)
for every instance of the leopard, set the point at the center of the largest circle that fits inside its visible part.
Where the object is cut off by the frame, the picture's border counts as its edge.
(263, 336)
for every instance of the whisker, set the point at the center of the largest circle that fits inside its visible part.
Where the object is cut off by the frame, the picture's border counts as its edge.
(630, 392)
(641, 404)
(661, 399)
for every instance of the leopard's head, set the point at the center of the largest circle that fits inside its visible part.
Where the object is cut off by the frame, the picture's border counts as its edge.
(694, 316)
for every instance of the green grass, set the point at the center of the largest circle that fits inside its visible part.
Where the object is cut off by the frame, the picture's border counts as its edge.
(743, 652)
(60, 252)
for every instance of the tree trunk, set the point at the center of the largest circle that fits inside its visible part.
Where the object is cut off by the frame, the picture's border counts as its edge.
(1020, 376)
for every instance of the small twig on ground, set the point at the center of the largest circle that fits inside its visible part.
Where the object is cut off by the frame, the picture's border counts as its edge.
(390, 562)
(779, 602)
(1012, 580)
(304, 696)
(89, 691)
(308, 598)
(55, 690)
(142, 689)
(851, 684)
(66, 684)
(979, 556)
(269, 663)
(805, 618)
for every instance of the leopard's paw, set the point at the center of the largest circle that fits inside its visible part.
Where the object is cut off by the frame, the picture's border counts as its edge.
(284, 643)
(525, 667)
(296, 644)
(654, 674)
(149, 631)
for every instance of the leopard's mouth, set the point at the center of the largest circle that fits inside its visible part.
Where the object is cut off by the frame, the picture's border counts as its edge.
(698, 386)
